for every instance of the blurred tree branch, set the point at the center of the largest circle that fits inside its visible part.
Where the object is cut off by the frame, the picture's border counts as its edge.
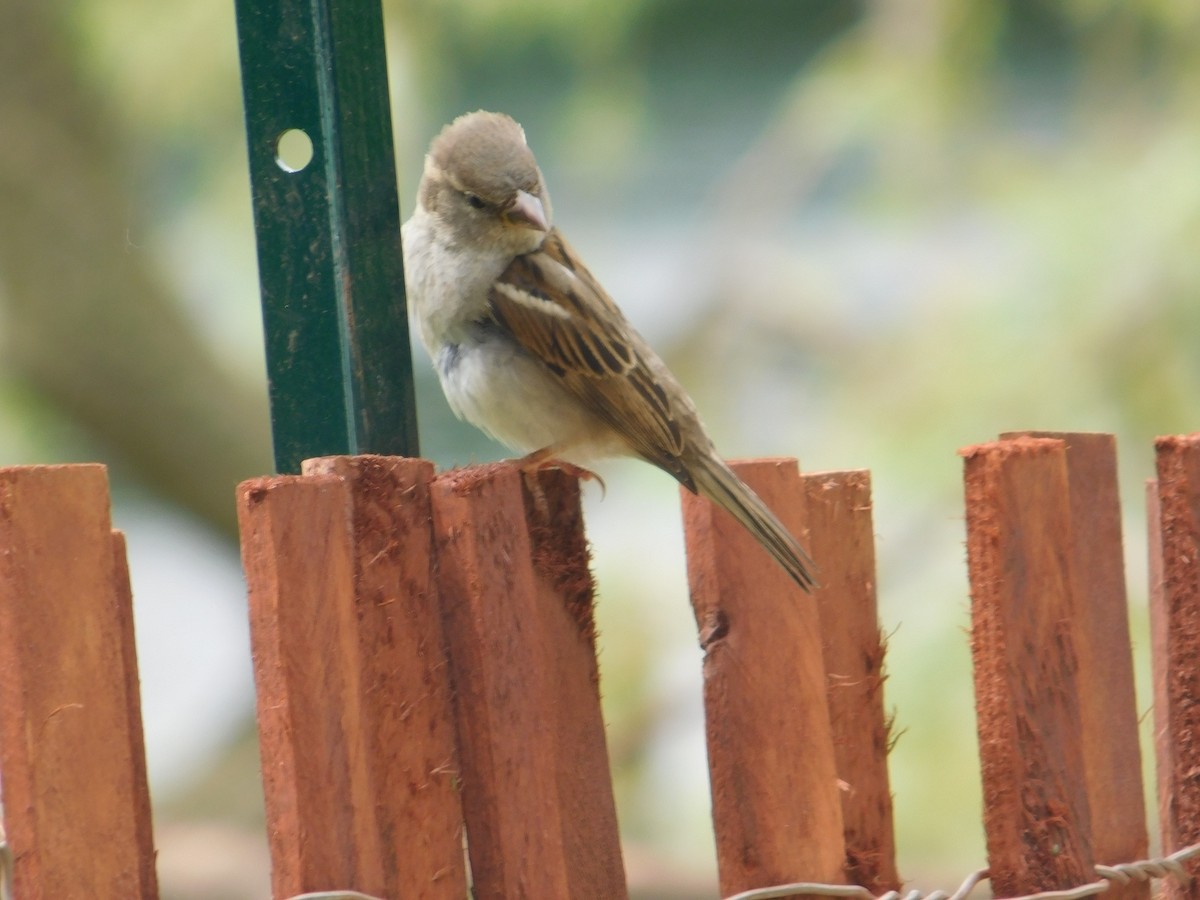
(86, 319)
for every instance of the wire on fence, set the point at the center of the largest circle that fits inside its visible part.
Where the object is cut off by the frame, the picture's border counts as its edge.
(1142, 870)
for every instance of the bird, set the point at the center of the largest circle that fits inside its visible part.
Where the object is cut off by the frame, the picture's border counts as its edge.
(530, 348)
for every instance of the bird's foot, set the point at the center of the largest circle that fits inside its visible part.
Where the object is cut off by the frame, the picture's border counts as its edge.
(546, 458)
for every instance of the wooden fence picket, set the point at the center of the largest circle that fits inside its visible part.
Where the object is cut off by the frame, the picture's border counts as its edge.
(1112, 758)
(1036, 813)
(404, 678)
(517, 598)
(317, 784)
(1173, 515)
(76, 803)
(775, 804)
(841, 535)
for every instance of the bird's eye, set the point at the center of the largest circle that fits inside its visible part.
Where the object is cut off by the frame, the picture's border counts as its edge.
(476, 201)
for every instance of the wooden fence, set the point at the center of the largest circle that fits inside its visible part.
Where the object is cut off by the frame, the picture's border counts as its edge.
(425, 664)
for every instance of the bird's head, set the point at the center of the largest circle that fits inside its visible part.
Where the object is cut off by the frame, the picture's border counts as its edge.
(483, 184)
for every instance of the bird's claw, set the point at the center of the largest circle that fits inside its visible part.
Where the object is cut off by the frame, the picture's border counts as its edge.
(533, 463)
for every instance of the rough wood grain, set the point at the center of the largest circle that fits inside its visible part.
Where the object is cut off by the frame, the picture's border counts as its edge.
(841, 536)
(517, 600)
(1112, 758)
(776, 809)
(1020, 557)
(299, 563)
(1174, 517)
(76, 805)
(405, 678)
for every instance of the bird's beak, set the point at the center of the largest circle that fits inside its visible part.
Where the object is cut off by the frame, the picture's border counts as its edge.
(527, 211)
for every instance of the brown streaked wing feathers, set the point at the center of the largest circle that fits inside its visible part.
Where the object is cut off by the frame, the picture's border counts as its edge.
(588, 345)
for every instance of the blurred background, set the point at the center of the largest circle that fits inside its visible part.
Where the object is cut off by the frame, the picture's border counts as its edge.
(865, 234)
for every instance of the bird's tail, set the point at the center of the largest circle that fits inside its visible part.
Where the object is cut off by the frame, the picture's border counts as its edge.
(716, 481)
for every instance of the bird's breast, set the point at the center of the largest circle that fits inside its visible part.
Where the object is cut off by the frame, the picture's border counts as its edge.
(494, 384)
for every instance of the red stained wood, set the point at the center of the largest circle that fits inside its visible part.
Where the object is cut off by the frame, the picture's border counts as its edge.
(404, 681)
(313, 732)
(1112, 757)
(1020, 557)
(127, 646)
(1174, 517)
(76, 804)
(517, 600)
(841, 538)
(776, 809)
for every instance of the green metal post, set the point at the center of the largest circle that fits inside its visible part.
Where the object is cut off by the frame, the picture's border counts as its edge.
(330, 266)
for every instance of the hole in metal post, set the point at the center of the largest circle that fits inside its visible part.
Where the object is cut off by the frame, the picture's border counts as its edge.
(293, 150)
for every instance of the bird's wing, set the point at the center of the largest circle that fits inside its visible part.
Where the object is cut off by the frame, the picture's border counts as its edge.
(557, 311)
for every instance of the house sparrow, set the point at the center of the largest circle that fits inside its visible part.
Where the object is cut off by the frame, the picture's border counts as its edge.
(529, 347)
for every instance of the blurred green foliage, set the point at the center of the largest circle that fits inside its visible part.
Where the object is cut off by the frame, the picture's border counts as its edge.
(867, 233)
